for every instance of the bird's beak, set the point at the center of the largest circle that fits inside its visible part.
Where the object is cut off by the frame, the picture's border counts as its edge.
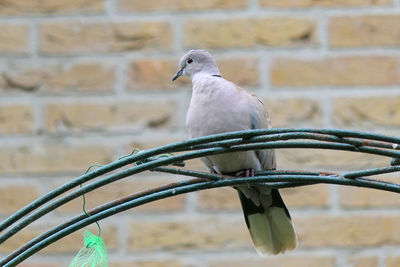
(178, 74)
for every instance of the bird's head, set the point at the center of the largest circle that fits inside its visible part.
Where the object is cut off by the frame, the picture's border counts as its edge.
(196, 61)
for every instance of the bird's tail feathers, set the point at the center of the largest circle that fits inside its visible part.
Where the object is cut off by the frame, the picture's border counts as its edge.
(269, 223)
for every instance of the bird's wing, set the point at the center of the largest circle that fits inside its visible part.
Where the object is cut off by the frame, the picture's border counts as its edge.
(259, 119)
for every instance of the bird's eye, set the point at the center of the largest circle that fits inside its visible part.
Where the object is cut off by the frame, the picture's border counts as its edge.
(189, 60)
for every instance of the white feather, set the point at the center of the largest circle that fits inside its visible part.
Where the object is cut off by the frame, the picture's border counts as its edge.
(272, 232)
(260, 232)
(283, 227)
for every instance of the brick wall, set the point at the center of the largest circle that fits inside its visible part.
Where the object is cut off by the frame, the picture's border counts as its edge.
(85, 81)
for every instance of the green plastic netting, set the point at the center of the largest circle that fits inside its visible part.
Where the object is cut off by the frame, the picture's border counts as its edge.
(94, 254)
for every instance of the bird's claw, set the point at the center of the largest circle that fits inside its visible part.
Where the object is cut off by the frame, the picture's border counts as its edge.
(245, 173)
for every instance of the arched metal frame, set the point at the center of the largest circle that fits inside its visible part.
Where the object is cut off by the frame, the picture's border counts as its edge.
(156, 160)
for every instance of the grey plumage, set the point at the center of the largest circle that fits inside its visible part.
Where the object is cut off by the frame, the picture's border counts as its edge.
(218, 106)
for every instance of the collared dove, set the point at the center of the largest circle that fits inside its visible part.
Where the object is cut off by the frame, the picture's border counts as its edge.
(219, 106)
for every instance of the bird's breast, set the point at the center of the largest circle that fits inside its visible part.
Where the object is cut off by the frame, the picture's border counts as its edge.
(215, 112)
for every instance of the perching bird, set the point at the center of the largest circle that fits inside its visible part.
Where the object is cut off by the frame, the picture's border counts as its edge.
(219, 106)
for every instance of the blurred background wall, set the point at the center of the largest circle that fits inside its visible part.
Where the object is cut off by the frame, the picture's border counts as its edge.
(86, 81)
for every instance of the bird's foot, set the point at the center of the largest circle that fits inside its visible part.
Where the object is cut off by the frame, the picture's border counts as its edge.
(245, 173)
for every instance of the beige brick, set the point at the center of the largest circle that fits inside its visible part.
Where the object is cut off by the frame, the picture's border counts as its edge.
(66, 38)
(204, 233)
(40, 157)
(82, 77)
(241, 33)
(392, 261)
(79, 77)
(285, 31)
(348, 231)
(217, 199)
(23, 80)
(142, 75)
(356, 197)
(294, 112)
(360, 31)
(281, 261)
(364, 261)
(367, 112)
(161, 140)
(27, 7)
(196, 164)
(318, 159)
(13, 196)
(306, 196)
(16, 119)
(110, 116)
(241, 71)
(14, 38)
(176, 5)
(336, 71)
(219, 34)
(123, 188)
(71, 243)
(150, 142)
(141, 263)
(319, 3)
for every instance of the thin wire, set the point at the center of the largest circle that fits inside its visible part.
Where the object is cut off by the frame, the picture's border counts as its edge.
(84, 198)
(134, 151)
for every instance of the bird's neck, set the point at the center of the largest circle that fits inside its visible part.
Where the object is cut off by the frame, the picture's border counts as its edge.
(214, 72)
(206, 84)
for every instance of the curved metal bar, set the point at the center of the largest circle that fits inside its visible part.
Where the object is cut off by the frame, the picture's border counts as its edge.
(111, 167)
(189, 155)
(179, 146)
(93, 211)
(88, 188)
(195, 187)
(295, 135)
(221, 143)
(203, 176)
(370, 172)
